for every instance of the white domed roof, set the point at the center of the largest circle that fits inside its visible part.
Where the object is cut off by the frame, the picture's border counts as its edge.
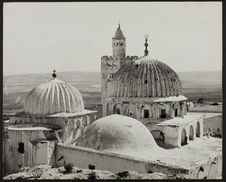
(145, 77)
(117, 133)
(53, 96)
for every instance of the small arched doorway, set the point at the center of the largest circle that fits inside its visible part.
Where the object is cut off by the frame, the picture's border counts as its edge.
(191, 133)
(183, 137)
(198, 129)
(114, 109)
(158, 136)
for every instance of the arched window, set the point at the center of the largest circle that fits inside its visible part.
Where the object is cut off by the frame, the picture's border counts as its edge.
(184, 137)
(146, 113)
(191, 133)
(198, 129)
(21, 147)
(176, 112)
(163, 113)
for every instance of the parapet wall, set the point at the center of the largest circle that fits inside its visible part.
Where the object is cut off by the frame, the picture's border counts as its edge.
(126, 58)
(84, 158)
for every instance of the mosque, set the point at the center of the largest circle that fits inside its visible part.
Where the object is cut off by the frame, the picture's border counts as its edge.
(143, 103)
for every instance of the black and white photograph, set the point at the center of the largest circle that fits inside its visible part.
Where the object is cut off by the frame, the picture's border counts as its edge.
(112, 90)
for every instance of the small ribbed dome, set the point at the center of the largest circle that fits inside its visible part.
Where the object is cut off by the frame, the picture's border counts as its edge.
(119, 34)
(53, 96)
(145, 77)
(117, 133)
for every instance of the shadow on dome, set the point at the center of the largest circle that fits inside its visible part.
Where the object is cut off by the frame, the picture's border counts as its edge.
(117, 133)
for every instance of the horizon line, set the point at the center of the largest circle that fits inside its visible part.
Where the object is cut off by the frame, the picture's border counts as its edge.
(94, 72)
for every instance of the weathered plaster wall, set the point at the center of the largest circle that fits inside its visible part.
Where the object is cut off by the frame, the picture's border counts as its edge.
(34, 151)
(207, 170)
(173, 133)
(71, 127)
(83, 157)
(135, 107)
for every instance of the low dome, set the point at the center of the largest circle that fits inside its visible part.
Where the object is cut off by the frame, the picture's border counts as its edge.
(117, 133)
(145, 77)
(53, 96)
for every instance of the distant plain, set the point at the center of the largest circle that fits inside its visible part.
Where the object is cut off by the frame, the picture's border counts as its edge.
(207, 85)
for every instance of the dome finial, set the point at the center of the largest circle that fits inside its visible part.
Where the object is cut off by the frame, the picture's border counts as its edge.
(54, 74)
(146, 45)
(119, 23)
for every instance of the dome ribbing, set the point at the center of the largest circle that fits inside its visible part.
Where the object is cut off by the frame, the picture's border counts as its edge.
(145, 77)
(52, 97)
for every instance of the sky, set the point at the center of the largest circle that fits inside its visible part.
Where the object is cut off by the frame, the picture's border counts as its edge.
(73, 36)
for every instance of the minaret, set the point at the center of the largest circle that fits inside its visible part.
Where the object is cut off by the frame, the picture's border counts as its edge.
(146, 45)
(119, 44)
(110, 65)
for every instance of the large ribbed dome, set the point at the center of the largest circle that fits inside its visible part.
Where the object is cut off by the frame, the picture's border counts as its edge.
(117, 133)
(53, 96)
(145, 77)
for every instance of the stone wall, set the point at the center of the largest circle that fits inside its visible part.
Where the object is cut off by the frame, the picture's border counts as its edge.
(70, 127)
(109, 66)
(27, 148)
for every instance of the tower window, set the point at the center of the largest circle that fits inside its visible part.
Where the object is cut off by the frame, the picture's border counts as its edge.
(146, 113)
(118, 111)
(145, 81)
(21, 147)
(163, 113)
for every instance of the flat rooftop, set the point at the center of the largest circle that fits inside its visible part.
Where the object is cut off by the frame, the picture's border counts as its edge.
(195, 153)
(181, 121)
(31, 127)
(206, 114)
(187, 157)
(63, 114)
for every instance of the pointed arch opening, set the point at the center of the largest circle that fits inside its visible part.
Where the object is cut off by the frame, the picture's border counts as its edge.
(191, 133)
(198, 129)
(184, 137)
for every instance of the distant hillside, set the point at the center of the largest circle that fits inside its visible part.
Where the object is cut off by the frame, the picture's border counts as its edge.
(201, 77)
(84, 81)
(91, 81)
(195, 85)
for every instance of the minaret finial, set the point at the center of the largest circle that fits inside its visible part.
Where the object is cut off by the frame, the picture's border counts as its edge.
(146, 45)
(54, 74)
